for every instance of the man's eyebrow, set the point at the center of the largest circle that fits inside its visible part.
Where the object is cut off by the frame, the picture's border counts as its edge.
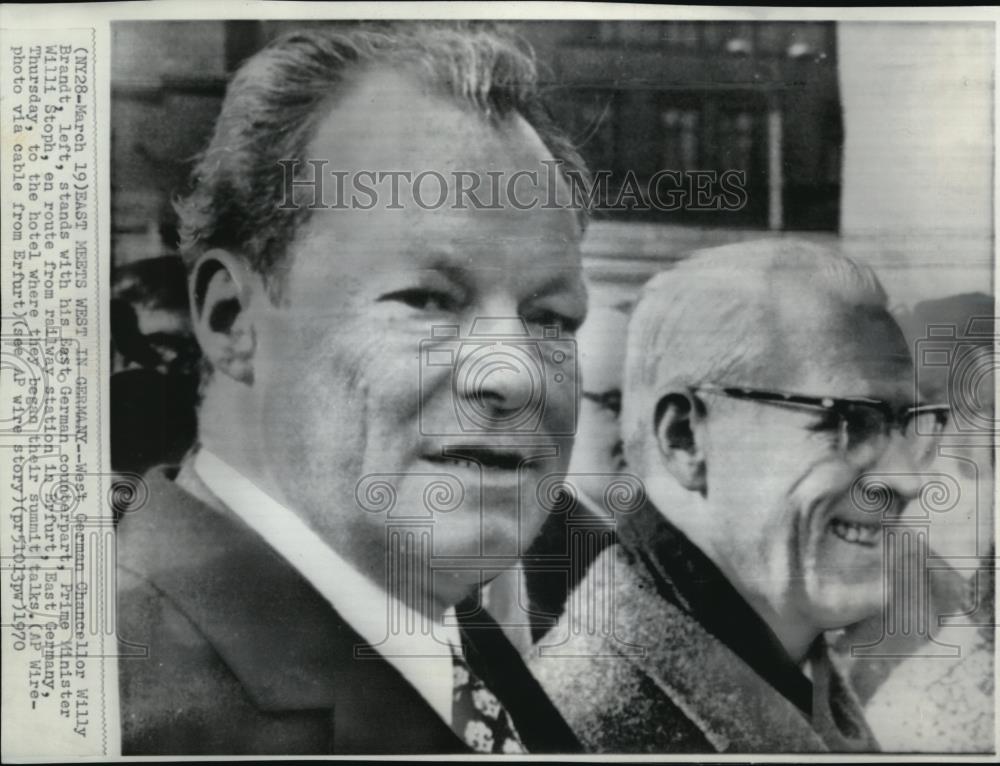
(447, 263)
(436, 257)
(561, 280)
(458, 267)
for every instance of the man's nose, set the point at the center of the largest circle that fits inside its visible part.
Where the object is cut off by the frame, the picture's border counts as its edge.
(499, 380)
(899, 467)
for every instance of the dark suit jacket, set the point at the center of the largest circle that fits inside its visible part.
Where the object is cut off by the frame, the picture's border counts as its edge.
(244, 656)
(685, 665)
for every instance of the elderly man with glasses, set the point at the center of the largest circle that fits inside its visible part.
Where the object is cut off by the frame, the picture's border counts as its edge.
(769, 406)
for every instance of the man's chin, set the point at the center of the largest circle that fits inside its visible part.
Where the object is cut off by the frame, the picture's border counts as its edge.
(834, 604)
(843, 579)
(486, 546)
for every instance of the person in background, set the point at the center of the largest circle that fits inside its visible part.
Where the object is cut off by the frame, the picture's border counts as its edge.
(598, 452)
(528, 600)
(926, 681)
(155, 363)
(156, 291)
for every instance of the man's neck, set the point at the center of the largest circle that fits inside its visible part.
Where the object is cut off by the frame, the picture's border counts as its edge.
(225, 430)
(793, 631)
(413, 599)
(795, 635)
(189, 480)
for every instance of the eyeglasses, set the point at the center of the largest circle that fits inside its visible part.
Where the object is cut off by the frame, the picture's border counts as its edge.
(863, 426)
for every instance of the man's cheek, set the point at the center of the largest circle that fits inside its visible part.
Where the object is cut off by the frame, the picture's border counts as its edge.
(562, 411)
(815, 499)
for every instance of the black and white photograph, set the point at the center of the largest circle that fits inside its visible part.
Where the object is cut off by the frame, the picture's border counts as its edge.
(561, 385)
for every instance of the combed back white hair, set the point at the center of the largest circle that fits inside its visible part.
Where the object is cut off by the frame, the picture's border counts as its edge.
(716, 318)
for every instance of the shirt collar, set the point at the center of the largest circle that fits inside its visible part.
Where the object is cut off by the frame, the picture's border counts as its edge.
(423, 655)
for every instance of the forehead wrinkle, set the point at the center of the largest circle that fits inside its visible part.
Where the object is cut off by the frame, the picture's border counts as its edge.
(449, 265)
(449, 253)
(852, 350)
(352, 135)
(765, 360)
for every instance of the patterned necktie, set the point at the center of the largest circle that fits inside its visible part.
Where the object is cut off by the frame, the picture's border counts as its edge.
(477, 715)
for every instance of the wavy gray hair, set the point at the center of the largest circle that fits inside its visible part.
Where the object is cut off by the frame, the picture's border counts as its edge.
(278, 97)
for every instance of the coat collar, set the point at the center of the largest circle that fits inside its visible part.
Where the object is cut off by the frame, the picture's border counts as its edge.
(735, 705)
(686, 577)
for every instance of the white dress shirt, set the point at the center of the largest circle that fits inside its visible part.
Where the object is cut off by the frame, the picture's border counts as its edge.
(422, 658)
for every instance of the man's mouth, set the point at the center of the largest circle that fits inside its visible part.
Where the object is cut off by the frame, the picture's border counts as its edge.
(867, 535)
(487, 458)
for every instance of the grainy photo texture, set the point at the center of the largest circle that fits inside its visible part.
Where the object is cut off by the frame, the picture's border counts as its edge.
(552, 387)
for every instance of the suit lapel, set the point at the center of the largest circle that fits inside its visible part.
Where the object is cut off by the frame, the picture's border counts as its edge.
(837, 714)
(495, 660)
(285, 644)
(835, 720)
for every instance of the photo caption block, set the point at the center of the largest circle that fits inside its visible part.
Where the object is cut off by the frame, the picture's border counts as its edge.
(56, 533)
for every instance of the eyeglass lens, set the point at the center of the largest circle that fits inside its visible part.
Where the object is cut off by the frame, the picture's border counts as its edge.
(865, 434)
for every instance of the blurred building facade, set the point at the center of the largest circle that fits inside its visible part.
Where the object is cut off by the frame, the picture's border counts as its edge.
(877, 137)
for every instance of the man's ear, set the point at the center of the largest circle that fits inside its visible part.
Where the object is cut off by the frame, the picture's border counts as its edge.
(678, 442)
(221, 287)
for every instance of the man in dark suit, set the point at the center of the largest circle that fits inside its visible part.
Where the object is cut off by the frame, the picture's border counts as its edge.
(369, 449)
(769, 411)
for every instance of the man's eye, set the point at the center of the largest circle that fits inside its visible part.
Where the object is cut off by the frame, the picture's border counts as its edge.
(565, 323)
(422, 300)
(828, 421)
(859, 424)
